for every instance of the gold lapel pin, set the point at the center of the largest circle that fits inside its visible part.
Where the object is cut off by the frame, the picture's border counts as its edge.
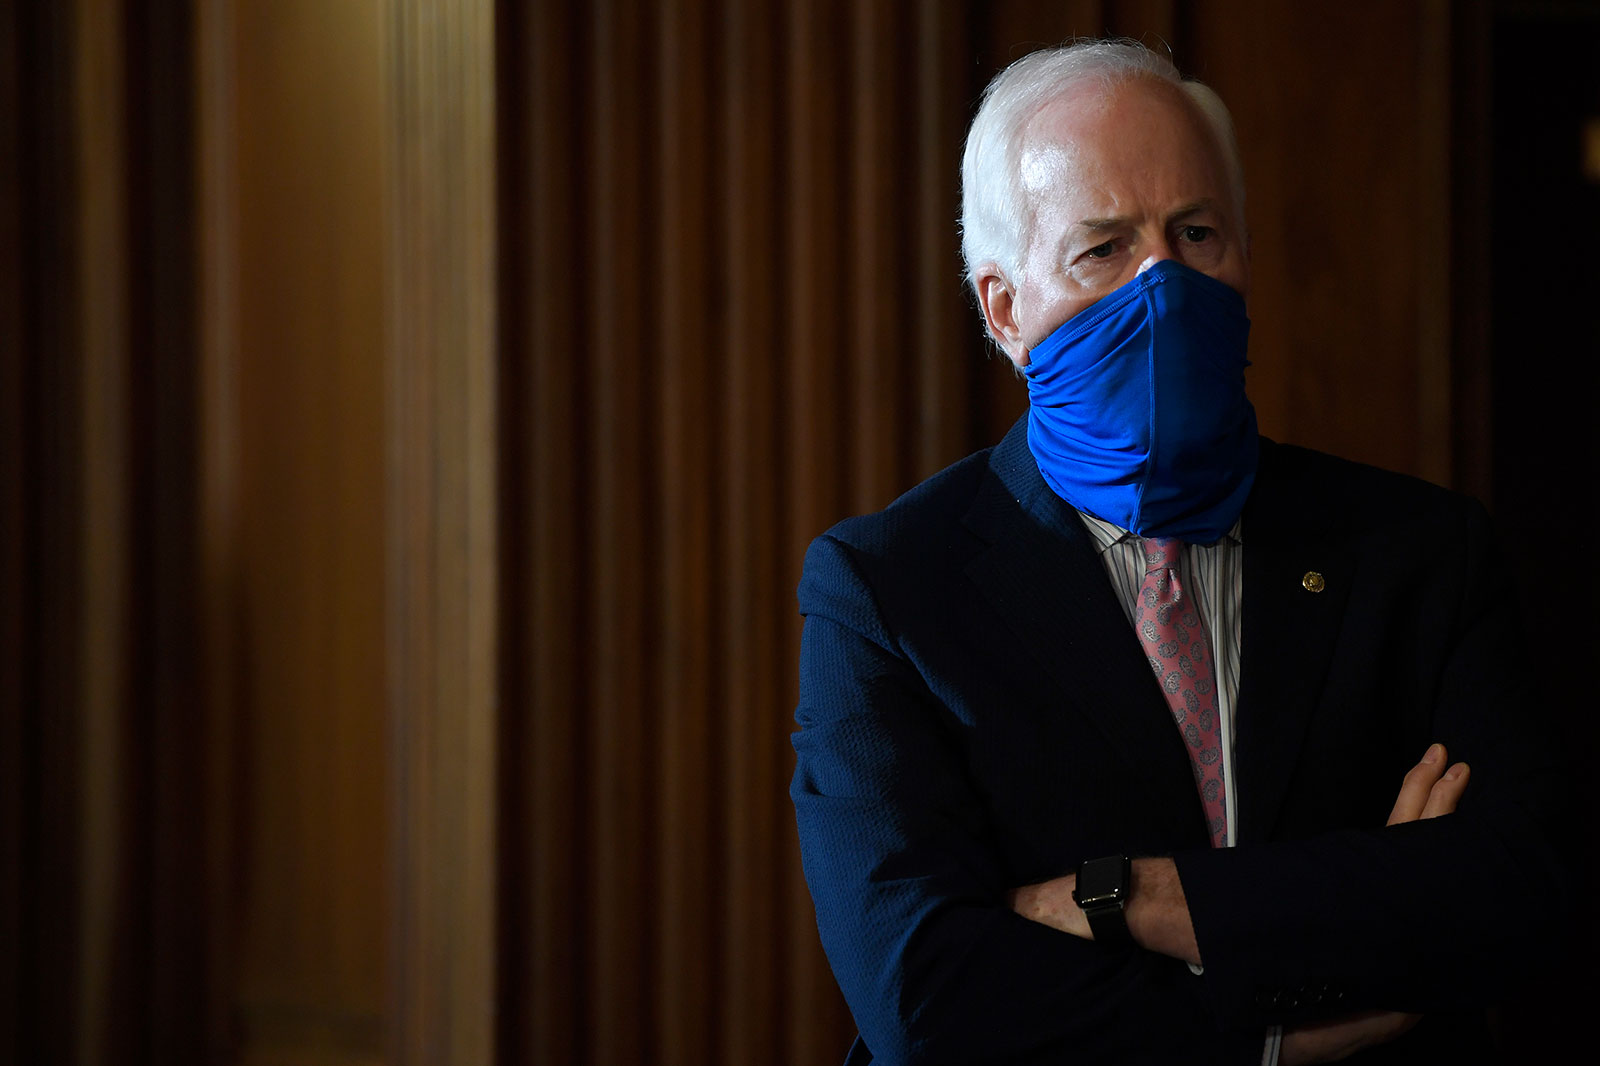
(1313, 581)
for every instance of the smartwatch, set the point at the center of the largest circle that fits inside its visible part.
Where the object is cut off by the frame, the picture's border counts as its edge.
(1102, 892)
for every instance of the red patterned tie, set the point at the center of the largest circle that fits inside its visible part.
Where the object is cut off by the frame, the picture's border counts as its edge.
(1168, 623)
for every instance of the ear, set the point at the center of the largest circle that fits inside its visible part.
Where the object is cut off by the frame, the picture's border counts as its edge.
(998, 300)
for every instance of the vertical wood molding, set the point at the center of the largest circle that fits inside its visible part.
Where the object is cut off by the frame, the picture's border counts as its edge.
(685, 978)
(546, 665)
(1436, 222)
(943, 329)
(84, 214)
(442, 631)
(221, 605)
(874, 258)
(49, 680)
(619, 307)
(13, 551)
(1471, 291)
(817, 416)
(99, 125)
(305, 139)
(1152, 21)
(754, 597)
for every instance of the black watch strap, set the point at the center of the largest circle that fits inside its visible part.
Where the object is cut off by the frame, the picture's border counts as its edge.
(1102, 893)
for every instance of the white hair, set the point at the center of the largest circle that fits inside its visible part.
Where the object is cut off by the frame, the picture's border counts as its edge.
(996, 212)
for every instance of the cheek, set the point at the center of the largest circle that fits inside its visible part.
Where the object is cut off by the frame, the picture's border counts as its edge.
(1045, 311)
(1228, 267)
(1238, 275)
(1043, 305)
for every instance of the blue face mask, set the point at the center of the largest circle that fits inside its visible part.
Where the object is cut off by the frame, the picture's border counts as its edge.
(1137, 412)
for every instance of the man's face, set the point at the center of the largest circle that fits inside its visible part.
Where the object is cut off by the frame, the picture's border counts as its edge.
(1119, 180)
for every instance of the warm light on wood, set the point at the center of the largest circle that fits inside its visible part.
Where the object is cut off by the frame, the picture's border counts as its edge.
(1591, 150)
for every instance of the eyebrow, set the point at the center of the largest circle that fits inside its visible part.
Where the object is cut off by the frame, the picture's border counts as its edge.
(1101, 225)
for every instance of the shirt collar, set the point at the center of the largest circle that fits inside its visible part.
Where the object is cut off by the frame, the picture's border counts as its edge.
(1105, 534)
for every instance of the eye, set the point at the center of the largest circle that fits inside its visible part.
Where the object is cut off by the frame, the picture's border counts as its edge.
(1197, 234)
(1101, 251)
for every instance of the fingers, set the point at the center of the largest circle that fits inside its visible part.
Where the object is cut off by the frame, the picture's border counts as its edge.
(1430, 789)
(1417, 786)
(1446, 792)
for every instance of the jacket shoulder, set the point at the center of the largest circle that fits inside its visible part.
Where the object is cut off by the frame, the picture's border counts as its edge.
(1352, 494)
(900, 555)
(922, 516)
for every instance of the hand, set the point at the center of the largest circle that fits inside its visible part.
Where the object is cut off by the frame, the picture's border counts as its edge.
(1343, 1037)
(1428, 791)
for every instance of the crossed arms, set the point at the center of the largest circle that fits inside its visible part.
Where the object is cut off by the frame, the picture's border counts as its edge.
(934, 777)
(1158, 917)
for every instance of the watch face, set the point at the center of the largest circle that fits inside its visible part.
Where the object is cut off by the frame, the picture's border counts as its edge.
(1101, 881)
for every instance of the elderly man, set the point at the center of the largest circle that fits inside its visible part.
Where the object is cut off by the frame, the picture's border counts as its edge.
(1109, 734)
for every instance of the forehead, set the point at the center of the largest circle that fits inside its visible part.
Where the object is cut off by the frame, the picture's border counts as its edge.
(1108, 147)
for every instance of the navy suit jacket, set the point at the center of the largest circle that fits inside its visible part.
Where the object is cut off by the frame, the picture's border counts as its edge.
(976, 714)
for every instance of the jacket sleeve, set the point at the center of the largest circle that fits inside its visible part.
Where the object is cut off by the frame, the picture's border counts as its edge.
(909, 892)
(1437, 915)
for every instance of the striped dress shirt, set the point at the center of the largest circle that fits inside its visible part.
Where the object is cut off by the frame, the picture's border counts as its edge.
(1214, 575)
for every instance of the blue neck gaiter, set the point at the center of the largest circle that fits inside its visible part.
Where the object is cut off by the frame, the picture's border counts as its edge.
(1137, 412)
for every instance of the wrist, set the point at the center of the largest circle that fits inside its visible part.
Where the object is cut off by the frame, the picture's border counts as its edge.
(1101, 890)
(1158, 912)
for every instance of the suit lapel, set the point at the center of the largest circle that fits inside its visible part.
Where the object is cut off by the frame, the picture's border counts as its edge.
(1042, 574)
(1288, 636)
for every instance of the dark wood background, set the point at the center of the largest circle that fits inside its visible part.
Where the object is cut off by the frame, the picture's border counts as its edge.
(413, 415)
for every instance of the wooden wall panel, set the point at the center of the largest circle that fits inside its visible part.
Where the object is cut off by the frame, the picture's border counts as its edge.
(102, 663)
(752, 598)
(1155, 22)
(171, 958)
(748, 373)
(1471, 291)
(508, 454)
(1346, 332)
(871, 282)
(816, 414)
(13, 568)
(441, 653)
(688, 865)
(218, 513)
(938, 331)
(95, 530)
(548, 665)
(1432, 201)
(620, 341)
(1013, 28)
(309, 313)
(44, 1025)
